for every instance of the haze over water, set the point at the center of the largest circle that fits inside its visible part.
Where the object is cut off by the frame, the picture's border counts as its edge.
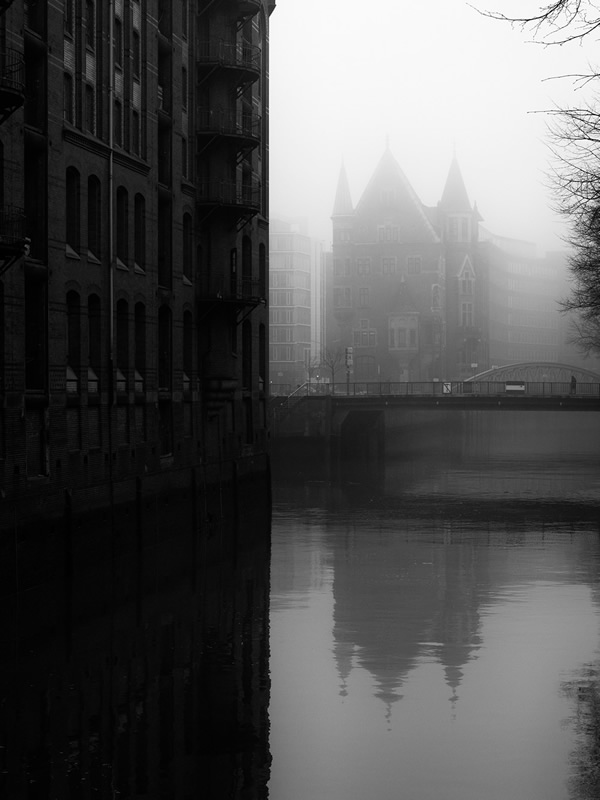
(434, 622)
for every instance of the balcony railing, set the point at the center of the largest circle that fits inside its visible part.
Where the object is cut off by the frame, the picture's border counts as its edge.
(228, 123)
(238, 55)
(229, 193)
(12, 81)
(248, 6)
(248, 290)
(12, 225)
(449, 389)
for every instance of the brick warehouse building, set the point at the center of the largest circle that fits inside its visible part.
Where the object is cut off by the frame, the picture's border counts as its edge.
(424, 293)
(134, 242)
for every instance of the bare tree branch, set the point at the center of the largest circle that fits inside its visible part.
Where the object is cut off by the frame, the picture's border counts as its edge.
(575, 166)
(333, 360)
(558, 23)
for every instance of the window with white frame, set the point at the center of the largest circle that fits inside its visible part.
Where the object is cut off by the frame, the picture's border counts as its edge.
(364, 335)
(466, 315)
(466, 278)
(387, 233)
(403, 332)
(413, 265)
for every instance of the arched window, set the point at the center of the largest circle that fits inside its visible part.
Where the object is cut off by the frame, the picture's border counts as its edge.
(262, 357)
(247, 355)
(94, 217)
(262, 270)
(164, 244)
(122, 345)
(188, 348)
(139, 245)
(140, 346)
(188, 243)
(73, 342)
(90, 24)
(122, 226)
(233, 271)
(164, 349)
(165, 414)
(73, 206)
(246, 266)
(94, 343)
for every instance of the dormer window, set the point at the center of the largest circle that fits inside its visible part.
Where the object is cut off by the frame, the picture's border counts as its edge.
(458, 228)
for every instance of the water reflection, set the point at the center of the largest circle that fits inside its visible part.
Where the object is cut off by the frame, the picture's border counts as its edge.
(423, 629)
(137, 672)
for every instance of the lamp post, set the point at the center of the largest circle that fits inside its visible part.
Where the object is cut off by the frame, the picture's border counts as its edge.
(349, 363)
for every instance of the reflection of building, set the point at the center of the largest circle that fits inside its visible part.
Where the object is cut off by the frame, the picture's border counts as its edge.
(152, 684)
(424, 293)
(294, 303)
(417, 591)
(398, 602)
(134, 329)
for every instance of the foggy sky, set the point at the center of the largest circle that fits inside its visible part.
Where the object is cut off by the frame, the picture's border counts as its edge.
(437, 78)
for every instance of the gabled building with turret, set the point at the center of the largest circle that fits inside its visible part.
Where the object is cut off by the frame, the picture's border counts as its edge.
(425, 293)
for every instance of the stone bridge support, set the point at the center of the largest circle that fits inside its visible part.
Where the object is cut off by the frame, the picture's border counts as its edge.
(356, 434)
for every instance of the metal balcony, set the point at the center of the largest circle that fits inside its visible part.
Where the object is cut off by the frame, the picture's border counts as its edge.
(242, 58)
(245, 127)
(12, 82)
(247, 7)
(242, 298)
(13, 240)
(229, 195)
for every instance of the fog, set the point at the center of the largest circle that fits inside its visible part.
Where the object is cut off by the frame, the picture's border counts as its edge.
(437, 78)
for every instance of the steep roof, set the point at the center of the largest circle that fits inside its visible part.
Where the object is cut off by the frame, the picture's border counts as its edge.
(342, 206)
(389, 192)
(455, 197)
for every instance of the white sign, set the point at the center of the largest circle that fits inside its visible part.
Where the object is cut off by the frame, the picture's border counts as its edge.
(447, 388)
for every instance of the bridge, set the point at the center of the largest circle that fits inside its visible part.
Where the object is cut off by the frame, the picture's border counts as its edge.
(527, 386)
(331, 411)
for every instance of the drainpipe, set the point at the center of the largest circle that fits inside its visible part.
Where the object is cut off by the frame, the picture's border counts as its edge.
(111, 245)
(111, 199)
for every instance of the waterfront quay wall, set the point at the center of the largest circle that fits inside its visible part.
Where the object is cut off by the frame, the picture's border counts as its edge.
(128, 630)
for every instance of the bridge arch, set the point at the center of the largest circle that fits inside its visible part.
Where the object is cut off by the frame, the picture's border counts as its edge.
(543, 371)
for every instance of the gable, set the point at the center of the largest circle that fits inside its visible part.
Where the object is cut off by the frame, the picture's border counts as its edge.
(390, 199)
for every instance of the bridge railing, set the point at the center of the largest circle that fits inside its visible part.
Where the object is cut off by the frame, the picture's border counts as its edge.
(444, 388)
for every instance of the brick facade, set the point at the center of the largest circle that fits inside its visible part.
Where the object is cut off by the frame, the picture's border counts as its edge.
(134, 295)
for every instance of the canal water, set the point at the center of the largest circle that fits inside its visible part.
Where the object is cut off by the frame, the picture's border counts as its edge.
(434, 617)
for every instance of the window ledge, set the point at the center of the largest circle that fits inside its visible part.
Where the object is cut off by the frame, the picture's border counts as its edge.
(70, 253)
(92, 258)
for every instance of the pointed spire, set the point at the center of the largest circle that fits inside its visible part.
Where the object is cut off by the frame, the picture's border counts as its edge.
(342, 206)
(455, 197)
